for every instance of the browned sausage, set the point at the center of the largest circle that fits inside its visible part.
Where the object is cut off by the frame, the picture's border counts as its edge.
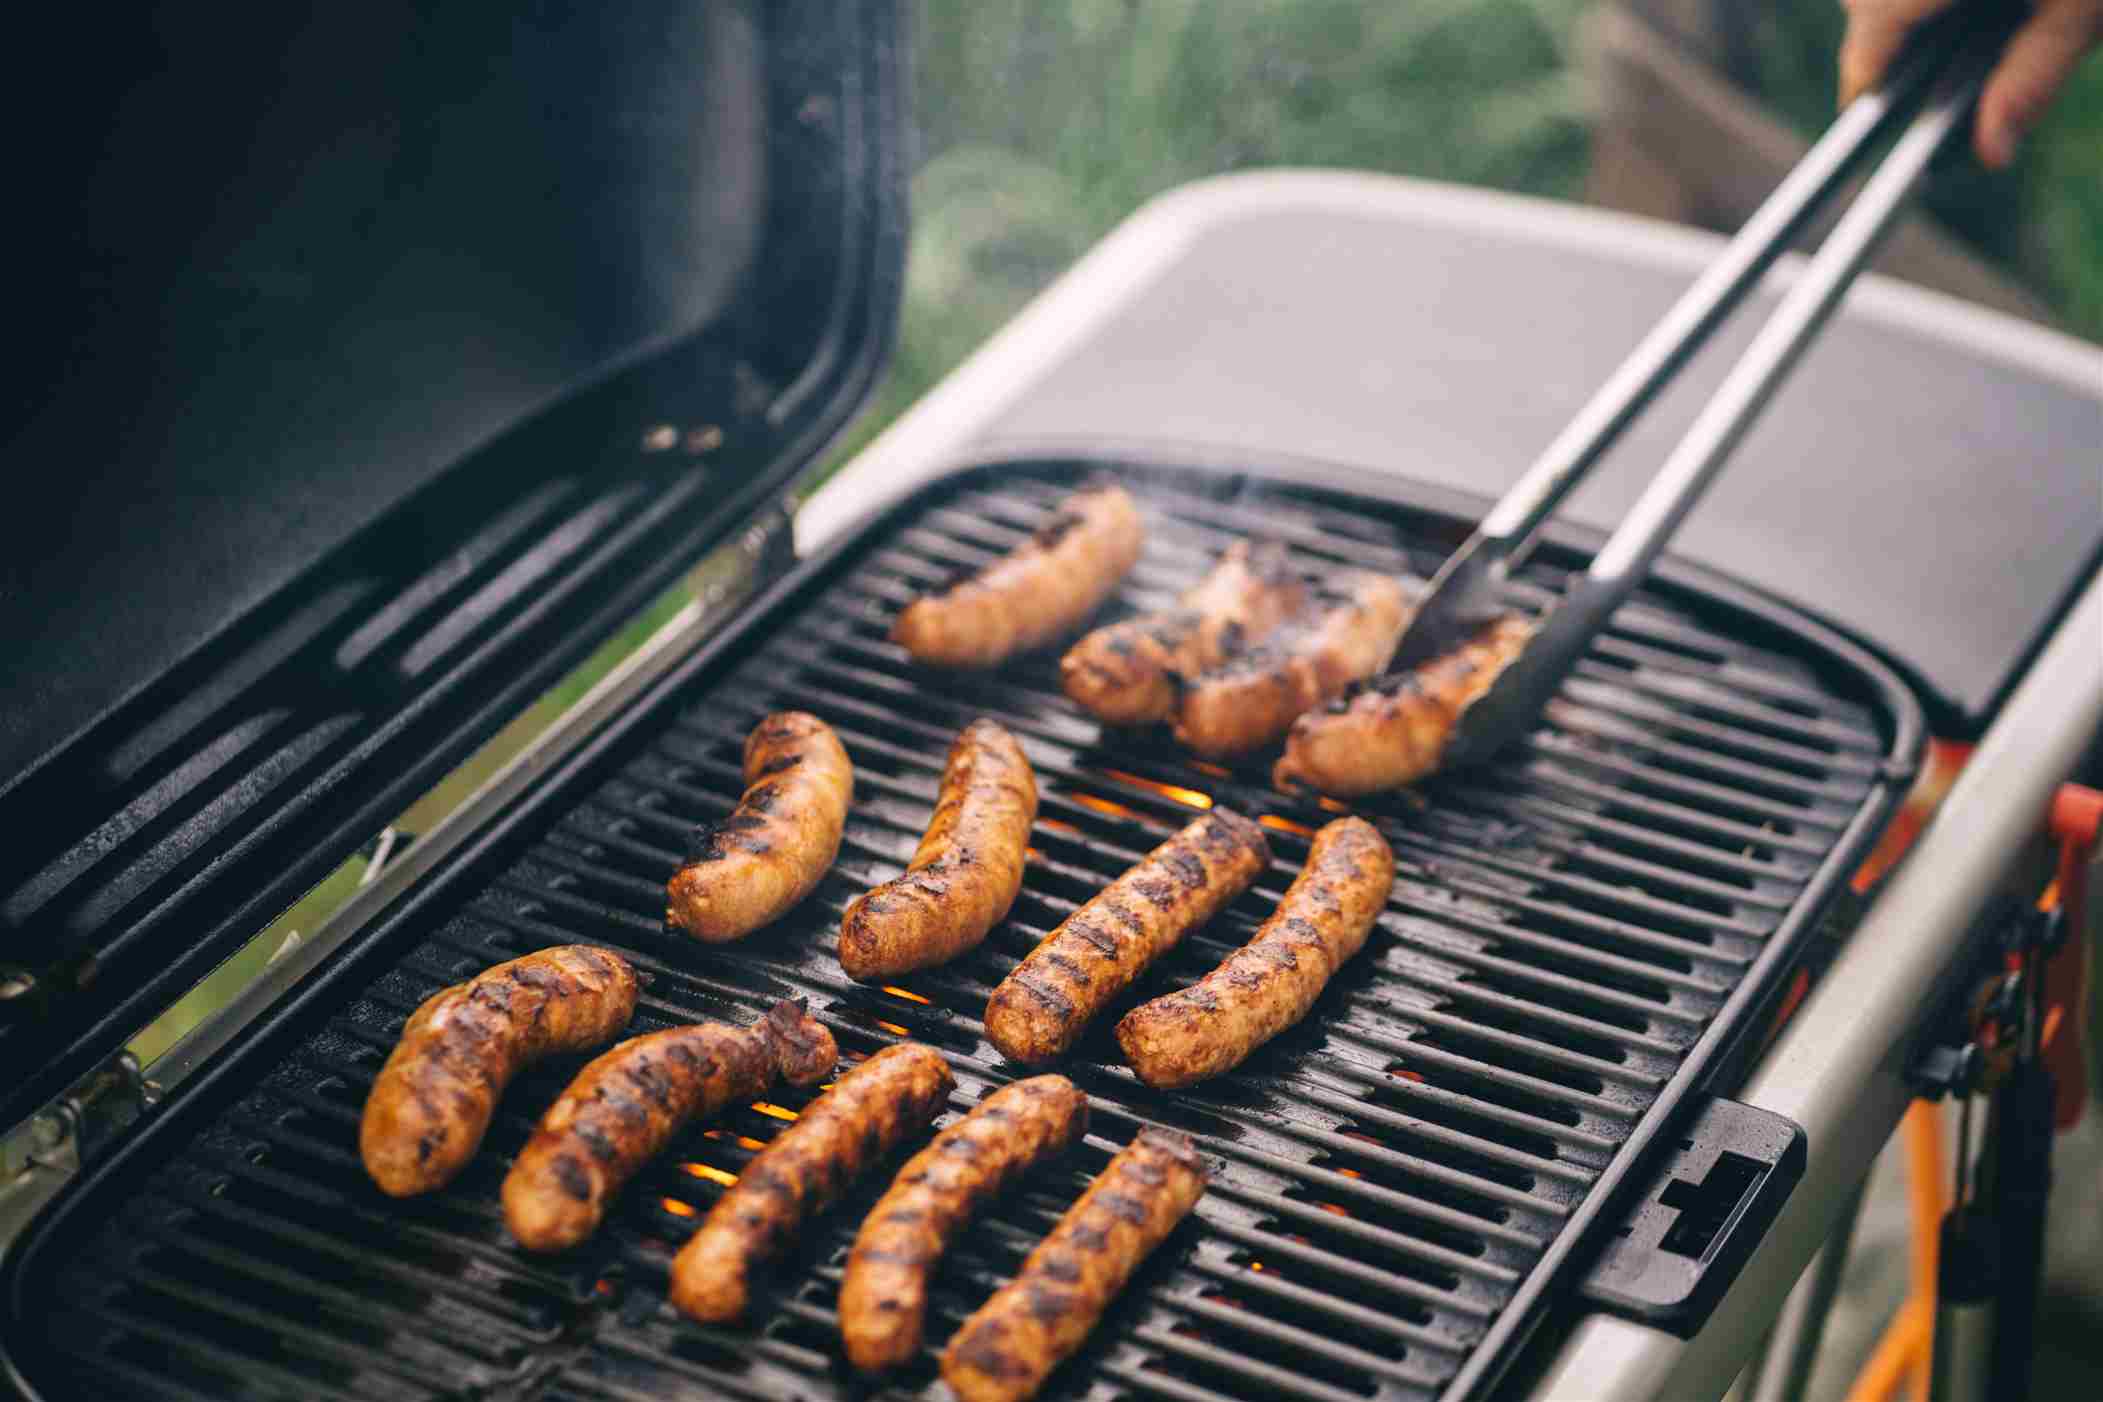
(1005, 1351)
(1249, 702)
(966, 872)
(1040, 1009)
(883, 1298)
(1394, 732)
(1038, 591)
(627, 1104)
(756, 864)
(1268, 984)
(808, 1165)
(431, 1103)
(1131, 673)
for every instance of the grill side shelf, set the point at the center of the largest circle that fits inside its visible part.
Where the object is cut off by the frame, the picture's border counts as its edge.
(1401, 1175)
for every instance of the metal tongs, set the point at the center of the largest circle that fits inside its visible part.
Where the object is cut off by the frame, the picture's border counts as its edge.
(1934, 85)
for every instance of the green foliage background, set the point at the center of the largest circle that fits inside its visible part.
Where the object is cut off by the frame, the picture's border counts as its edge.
(1042, 123)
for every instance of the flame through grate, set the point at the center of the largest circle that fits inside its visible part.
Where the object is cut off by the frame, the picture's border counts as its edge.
(1562, 930)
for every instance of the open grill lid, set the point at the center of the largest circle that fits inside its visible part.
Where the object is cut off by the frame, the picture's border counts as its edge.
(388, 360)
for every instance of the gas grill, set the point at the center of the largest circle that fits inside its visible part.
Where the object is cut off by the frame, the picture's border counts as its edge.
(1586, 942)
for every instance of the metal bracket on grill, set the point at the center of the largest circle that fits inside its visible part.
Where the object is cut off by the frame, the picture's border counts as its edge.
(39, 1155)
(1699, 1217)
(79, 1122)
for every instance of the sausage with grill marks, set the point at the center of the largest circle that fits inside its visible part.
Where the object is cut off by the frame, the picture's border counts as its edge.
(1131, 673)
(883, 1298)
(1038, 591)
(967, 871)
(803, 1171)
(432, 1101)
(1040, 1009)
(1007, 1350)
(627, 1105)
(756, 864)
(1268, 984)
(1395, 731)
(1346, 637)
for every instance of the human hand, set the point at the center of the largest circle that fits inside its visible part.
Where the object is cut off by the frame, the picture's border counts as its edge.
(2049, 47)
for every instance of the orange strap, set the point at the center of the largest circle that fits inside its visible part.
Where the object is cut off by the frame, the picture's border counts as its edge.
(1906, 1348)
(2077, 817)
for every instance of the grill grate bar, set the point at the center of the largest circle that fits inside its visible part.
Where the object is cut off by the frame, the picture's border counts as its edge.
(398, 1323)
(1240, 1365)
(1730, 834)
(1741, 776)
(1552, 751)
(1347, 1313)
(352, 1354)
(1431, 1254)
(1356, 1185)
(1268, 1250)
(234, 1364)
(1541, 874)
(142, 1382)
(1527, 1047)
(1639, 714)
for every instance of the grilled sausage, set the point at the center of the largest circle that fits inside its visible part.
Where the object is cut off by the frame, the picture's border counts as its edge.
(808, 1165)
(1394, 731)
(966, 872)
(1252, 700)
(627, 1105)
(1005, 1351)
(432, 1101)
(1036, 592)
(883, 1298)
(1040, 1009)
(1131, 673)
(1269, 983)
(756, 864)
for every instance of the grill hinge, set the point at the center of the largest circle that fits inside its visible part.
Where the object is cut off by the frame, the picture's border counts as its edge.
(73, 1128)
(38, 1156)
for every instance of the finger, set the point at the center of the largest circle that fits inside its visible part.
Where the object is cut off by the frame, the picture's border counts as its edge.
(2030, 74)
(1876, 31)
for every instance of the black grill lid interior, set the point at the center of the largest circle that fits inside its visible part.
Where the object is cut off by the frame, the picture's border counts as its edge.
(381, 359)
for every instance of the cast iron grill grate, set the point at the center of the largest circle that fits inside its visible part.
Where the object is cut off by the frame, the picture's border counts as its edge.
(1562, 930)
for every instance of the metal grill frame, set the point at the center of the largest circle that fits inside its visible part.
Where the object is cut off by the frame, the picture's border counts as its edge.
(586, 756)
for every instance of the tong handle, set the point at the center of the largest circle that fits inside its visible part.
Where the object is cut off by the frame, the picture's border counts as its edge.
(1467, 590)
(1589, 600)
(1780, 343)
(1706, 303)
(1712, 296)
